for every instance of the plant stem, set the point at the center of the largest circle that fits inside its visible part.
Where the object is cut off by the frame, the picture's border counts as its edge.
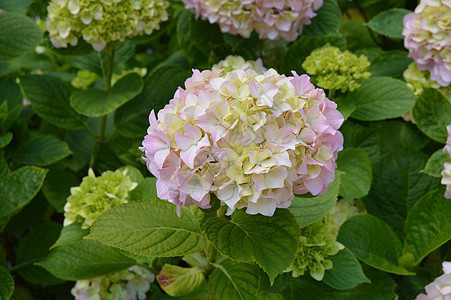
(331, 94)
(100, 140)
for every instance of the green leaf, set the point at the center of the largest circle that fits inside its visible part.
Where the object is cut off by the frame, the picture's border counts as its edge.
(18, 35)
(357, 35)
(41, 150)
(70, 234)
(178, 281)
(428, 225)
(18, 188)
(151, 227)
(355, 173)
(57, 186)
(84, 259)
(326, 22)
(389, 22)
(269, 241)
(373, 242)
(11, 103)
(432, 113)
(397, 186)
(373, 7)
(301, 289)
(6, 284)
(146, 189)
(391, 63)
(34, 247)
(346, 272)
(5, 139)
(93, 102)
(411, 137)
(49, 97)
(16, 6)
(358, 136)
(380, 98)
(436, 163)
(307, 210)
(232, 280)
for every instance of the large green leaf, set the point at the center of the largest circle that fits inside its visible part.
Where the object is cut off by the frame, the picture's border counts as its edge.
(232, 280)
(432, 113)
(84, 259)
(17, 6)
(34, 247)
(380, 98)
(18, 35)
(307, 210)
(6, 284)
(70, 234)
(397, 185)
(10, 103)
(346, 272)
(389, 22)
(151, 227)
(355, 173)
(428, 225)
(41, 150)
(146, 189)
(269, 241)
(57, 186)
(179, 281)
(49, 97)
(93, 102)
(373, 242)
(358, 36)
(5, 139)
(435, 164)
(18, 188)
(327, 21)
(390, 63)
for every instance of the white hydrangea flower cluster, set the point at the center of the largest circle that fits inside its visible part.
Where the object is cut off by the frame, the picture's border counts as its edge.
(440, 289)
(446, 173)
(102, 21)
(130, 284)
(232, 62)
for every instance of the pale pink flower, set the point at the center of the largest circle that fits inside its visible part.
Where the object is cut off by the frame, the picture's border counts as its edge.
(446, 173)
(440, 288)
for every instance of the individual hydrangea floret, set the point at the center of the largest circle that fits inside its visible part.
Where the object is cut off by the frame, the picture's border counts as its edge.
(342, 211)
(336, 70)
(427, 34)
(102, 21)
(271, 19)
(440, 288)
(130, 284)
(84, 79)
(316, 244)
(446, 173)
(95, 195)
(232, 62)
(251, 139)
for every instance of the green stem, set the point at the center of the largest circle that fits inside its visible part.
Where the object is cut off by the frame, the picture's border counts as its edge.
(331, 94)
(100, 140)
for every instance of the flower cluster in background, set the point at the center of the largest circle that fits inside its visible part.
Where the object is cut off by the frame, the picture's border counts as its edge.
(316, 244)
(441, 287)
(95, 195)
(342, 211)
(428, 38)
(84, 79)
(336, 70)
(446, 173)
(271, 19)
(102, 21)
(251, 139)
(232, 62)
(130, 284)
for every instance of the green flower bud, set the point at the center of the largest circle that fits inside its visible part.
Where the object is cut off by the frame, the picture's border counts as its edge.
(84, 79)
(95, 195)
(336, 70)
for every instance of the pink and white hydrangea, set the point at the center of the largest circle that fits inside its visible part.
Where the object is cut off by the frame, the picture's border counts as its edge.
(428, 38)
(446, 173)
(440, 288)
(272, 19)
(251, 139)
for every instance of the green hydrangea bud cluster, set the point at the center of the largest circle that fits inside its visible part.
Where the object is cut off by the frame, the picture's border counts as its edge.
(132, 283)
(140, 71)
(95, 195)
(237, 62)
(336, 70)
(342, 211)
(102, 21)
(316, 244)
(84, 79)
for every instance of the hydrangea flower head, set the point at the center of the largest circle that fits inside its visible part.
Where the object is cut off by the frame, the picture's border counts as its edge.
(251, 139)
(440, 288)
(427, 34)
(271, 19)
(446, 173)
(232, 62)
(95, 195)
(336, 70)
(130, 284)
(315, 246)
(102, 21)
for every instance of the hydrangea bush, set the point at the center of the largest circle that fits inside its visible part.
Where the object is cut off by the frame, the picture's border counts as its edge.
(225, 149)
